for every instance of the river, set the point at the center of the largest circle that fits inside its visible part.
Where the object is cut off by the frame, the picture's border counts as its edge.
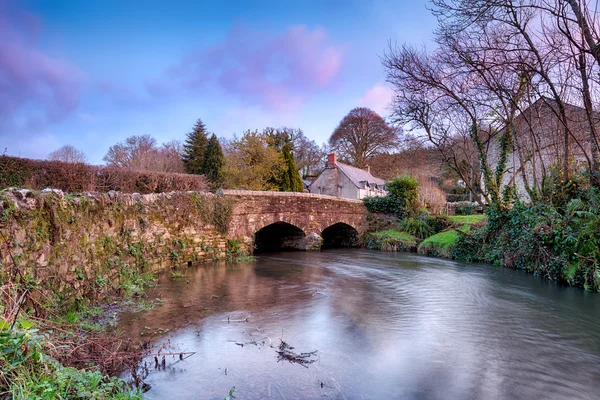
(383, 325)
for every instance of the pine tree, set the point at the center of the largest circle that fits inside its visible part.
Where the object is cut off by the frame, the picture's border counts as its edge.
(290, 180)
(214, 161)
(194, 149)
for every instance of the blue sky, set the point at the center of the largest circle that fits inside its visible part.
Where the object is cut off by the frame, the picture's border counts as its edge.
(90, 73)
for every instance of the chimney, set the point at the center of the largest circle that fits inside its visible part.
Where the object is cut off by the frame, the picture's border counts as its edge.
(331, 160)
(368, 168)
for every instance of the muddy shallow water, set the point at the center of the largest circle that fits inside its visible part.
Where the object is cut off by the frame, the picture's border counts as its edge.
(385, 326)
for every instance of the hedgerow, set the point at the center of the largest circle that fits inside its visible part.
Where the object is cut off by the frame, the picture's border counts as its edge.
(80, 177)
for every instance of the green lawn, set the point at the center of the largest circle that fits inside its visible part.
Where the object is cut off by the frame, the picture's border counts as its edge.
(467, 219)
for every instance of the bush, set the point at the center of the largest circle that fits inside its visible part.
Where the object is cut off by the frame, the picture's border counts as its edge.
(79, 177)
(423, 225)
(557, 243)
(404, 187)
(465, 208)
(403, 192)
(385, 205)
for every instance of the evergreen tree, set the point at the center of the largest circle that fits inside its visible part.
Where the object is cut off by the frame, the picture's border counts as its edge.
(194, 149)
(290, 176)
(214, 161)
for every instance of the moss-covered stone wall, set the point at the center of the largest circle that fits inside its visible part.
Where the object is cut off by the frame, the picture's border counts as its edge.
(77, 244)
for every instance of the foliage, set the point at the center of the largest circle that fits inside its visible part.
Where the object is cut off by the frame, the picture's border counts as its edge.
(77, 177)
(307, 154)
(403, 192)
(465, 208)
(251, 163)
(390, 240)
(194, 149)
(557, 243)
(385, 205)
(290, 180)
(214, 162)
(423, 225)
(28, 372)
(361, 135)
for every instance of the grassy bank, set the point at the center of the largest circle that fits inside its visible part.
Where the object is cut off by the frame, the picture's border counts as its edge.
(390, 240)
(429, 235)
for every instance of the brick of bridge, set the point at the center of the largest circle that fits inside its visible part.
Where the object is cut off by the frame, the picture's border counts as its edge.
(310, 212)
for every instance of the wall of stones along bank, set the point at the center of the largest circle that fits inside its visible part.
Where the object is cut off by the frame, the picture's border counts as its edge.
(84, 245)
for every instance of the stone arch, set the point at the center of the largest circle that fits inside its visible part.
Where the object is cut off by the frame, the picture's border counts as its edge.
(339, 235)
(279, 236)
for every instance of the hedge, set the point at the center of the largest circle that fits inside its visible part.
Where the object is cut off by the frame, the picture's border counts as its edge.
(80, 177)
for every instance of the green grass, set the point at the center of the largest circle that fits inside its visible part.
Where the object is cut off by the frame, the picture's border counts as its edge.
(439, 245)
(393, 234)
(467, 219)
(390, 240)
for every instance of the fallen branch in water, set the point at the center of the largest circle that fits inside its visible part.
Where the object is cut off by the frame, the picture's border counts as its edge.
(285, 353)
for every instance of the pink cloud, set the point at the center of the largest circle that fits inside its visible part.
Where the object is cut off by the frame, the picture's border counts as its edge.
(34, 88)
(276, 72)
(378, 98)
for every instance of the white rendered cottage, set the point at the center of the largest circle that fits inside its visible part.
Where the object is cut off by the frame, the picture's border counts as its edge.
(343, 180)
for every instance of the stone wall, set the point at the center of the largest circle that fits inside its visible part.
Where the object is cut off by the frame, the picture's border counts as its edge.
(92, 241)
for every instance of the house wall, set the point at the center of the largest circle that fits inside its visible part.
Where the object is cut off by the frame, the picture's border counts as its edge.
(348, 189)
(326, 183)
(539, 136)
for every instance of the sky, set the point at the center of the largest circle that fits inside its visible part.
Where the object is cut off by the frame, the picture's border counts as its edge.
(90, 73)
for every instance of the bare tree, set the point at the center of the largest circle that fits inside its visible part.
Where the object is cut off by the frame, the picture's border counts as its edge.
(142, 153)
(68, 153)
(511, 82)
(362, 134)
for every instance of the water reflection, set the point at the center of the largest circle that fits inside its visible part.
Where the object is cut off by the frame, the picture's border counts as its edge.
(385, 326)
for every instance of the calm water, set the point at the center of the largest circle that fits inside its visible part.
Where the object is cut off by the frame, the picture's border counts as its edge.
(385, 326)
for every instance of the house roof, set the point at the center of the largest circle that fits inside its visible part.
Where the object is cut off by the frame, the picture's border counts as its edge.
(358, 176)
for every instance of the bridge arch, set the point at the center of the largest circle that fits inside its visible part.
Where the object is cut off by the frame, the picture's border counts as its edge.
(339, 235)
(279, 236)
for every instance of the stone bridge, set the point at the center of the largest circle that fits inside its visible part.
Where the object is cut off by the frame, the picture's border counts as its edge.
(268, 221)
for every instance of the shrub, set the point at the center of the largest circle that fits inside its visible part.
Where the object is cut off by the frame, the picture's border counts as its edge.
(465, 208)
(423, 225)
(405, 188)
(403, 192)
(79, 177)
(385, 205)
(557, 243)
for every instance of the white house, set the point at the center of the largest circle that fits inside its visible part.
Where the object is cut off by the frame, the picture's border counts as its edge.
(343, 180)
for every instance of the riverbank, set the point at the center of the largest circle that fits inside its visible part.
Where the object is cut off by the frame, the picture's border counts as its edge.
(421, 240)
(70, 263)
(556, 240)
